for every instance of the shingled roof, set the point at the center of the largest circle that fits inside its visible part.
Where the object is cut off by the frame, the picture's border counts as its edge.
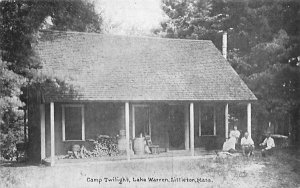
(123, 68)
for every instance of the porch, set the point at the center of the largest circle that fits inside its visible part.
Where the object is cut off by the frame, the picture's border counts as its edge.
(181, 128)
(199, 153)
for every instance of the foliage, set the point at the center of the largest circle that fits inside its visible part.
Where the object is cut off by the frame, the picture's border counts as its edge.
(20, 21)
(11, 113)
(263, 46)
(191, 19)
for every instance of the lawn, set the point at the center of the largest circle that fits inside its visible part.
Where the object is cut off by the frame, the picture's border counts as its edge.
(280, 170)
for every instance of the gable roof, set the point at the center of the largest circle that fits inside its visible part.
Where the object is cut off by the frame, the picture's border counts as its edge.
(123, 68)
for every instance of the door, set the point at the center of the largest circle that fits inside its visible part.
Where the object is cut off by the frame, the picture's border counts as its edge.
(176, 127)
(141, 120)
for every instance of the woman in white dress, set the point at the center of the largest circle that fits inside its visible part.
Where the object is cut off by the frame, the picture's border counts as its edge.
(235, 133)
(229, 145)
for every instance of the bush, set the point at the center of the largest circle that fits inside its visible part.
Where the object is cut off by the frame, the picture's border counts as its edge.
(11, 132)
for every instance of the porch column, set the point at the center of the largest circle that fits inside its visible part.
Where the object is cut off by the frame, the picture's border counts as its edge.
(226, 121)
(186, 128)
(215, 121)
(133, 122)
(192, 128)
(200, 120)
(43, 131)
(127, 130)
(249, 118)
(52, 141)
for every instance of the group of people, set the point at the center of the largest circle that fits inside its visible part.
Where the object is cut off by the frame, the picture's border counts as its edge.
(247, 144)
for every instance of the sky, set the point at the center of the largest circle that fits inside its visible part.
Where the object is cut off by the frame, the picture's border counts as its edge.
(130, 17)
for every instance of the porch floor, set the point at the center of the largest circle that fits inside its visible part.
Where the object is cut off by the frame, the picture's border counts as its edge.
(171, 153)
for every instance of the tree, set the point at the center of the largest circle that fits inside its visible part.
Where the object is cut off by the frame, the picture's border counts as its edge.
(11, 115)
(191, 19)
(263, 47)
(20, 21)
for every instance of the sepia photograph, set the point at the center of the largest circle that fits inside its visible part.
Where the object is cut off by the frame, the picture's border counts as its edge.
(149, 93)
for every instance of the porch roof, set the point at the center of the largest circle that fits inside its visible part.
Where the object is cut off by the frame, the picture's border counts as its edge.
(122, 68)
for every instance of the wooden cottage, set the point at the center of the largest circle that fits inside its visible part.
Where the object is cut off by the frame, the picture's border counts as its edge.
(176, 91)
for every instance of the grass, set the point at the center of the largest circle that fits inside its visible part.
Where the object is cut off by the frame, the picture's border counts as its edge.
(279, 170)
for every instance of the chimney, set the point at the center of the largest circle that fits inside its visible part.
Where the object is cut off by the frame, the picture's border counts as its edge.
(224, 45)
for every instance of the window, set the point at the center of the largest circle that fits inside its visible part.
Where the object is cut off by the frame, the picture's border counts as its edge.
(73, 122)
(207, 121)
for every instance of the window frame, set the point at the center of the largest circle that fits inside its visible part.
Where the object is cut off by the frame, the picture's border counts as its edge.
(64, 123)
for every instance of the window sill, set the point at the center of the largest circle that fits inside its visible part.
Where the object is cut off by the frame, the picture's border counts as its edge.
(74, 140)
(207, 135)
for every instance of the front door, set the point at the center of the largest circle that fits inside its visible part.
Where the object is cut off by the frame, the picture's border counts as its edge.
(176, 128)
(141, 120)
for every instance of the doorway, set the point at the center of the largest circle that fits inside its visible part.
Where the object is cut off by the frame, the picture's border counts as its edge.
(141, 124)
(176, 128)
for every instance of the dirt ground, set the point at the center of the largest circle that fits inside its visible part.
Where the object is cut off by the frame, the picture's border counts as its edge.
(280, 170)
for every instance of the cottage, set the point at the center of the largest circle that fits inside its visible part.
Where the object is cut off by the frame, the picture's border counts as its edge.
(176, 91)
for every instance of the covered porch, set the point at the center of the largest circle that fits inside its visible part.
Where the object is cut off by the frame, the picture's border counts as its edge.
(178, 128)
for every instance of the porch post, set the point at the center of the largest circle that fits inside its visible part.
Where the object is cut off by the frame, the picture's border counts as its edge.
(200, 119)
(43, 131)
(249, 118)
(226, 121)
(52, 141)
(192, 128)
(133, 122)
(186, 128)
(127, 130)
(215, 121)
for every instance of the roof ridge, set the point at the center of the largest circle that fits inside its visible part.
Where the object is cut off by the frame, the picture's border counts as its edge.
(128, 36)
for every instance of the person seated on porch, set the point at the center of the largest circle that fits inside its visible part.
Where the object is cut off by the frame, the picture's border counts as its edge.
(247, 144)
(229, 145)
(269, 145)
(235, 133)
